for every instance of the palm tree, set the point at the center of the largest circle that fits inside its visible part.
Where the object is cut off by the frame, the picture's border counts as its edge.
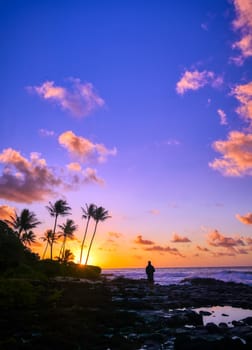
(22, 224)
(48, 235)
(59, 208)
(68, 256)
(88, 213)
(100, 214)
(67, 232)
(29, 238)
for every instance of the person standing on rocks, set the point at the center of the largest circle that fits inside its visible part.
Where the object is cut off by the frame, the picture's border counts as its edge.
(150, 272)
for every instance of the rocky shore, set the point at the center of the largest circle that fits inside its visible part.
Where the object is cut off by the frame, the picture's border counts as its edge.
(124, 314)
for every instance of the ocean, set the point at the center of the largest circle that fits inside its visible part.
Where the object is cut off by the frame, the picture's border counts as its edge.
(167, 276)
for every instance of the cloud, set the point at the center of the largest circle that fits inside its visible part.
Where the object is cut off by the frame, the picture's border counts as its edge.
(84, 149)
(165, 249)
(6, 211)
(154, 211)
(140, 240)
(178, 239)
(80, 99)
(115, 234)
(202, 249)
(216, 239)
(172, 142)
(243, 23)
(245, 219)
(195, 80)
(46, 133)
(236, 159)
(243, 93)
(223, 117)
(27, 180)
(74, 166)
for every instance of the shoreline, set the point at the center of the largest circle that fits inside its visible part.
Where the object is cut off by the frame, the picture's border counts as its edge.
(125, 314)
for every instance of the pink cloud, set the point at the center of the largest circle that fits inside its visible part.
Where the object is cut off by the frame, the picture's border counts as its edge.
(243, 23)
(140, 240)
(243, 93)
(195, 80)
(216, 239)
(165, 249)
(6, 211)
(179, 239)
(154, 211)
(28, 180)
(245, 219)
(202, 249)
(80, 100)
(84, 149)
(236, 159)
(115, 234)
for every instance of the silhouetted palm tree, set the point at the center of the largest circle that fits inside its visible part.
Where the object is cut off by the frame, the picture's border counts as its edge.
(68, 256)
(21, 224)
(28, 238)
(88, 213)
(59, 208)
(48, 237)
(100, 214)
(67, 232)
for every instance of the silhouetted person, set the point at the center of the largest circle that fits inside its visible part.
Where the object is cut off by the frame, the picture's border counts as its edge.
(150, 272)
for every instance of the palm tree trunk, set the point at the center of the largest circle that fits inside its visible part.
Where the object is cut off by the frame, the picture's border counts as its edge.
(90, 245)
(54, 229)
(43, 256)
(84, 238)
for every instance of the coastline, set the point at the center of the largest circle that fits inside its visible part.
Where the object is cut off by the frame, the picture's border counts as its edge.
(125, 314)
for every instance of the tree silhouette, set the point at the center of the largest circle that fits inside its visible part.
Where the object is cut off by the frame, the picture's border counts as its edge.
(100, 214)
(48, 238)
(88, 213)
(68, 256)
(67, 232)
(59, 208)
(23, 224)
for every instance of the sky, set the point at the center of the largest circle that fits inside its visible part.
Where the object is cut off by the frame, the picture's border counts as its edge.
(141, 107)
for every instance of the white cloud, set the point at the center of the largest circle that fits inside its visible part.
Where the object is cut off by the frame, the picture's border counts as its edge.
(223, 116)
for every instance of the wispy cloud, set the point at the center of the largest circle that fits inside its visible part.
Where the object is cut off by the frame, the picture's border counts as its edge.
(243, 93)
(179, 239)
(27, 180)
(83, 149)
(195, 80)
(245, 219)
(236, 159)
(202, 249)
(115, 234)
(46, 133)
(80, 99)
(6, 211)
(139, 240)
(223, 117)
(154, 211)
(243, 24)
